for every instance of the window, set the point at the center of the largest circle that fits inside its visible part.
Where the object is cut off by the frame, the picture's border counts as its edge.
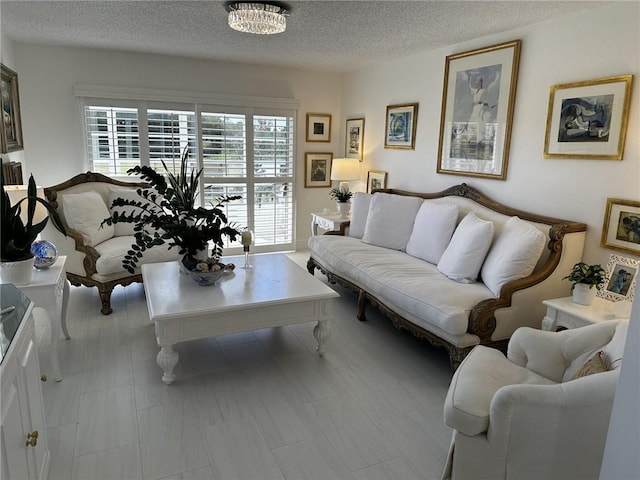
(242, 151)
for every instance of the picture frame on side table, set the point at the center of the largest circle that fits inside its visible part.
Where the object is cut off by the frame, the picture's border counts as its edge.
(354, 138)
(11, 124)
(400, 126)
(317, 169)
(588, 119)
(318, 127)
(622, 275)
(477, 111)
(621, 227)
(376, 179)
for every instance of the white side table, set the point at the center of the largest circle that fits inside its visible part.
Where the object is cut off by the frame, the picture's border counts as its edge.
(328, 221)
(563, 312)
(49, 290)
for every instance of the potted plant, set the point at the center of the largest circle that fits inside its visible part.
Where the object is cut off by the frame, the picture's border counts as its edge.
(167, 214)
(342, 197)
(16, 236)
(584, 277)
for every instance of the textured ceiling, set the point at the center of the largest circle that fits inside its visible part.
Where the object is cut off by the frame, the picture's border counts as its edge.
(334, 36)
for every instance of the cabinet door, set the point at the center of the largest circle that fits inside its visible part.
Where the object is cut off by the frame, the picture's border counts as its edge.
(14, 449)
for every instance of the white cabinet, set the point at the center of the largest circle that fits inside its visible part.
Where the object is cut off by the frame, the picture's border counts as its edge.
(25, 452)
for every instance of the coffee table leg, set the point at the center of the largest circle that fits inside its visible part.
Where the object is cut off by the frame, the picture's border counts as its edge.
(321, 333)
(167, 359)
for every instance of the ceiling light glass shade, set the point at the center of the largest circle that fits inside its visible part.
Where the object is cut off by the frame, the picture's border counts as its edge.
(258, 18)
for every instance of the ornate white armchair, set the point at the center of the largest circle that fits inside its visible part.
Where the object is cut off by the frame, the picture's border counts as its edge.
(537, 413)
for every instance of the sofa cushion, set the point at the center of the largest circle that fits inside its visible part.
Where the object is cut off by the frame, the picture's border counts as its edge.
(513, 255)
(463, 257)
(84, 213)
(596, 364)
(480, 375)
(113, 250)
(359, 212)
(126, 194)
(432, 230)
(390, 220)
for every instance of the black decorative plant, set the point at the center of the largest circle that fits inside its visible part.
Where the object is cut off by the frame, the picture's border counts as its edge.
(591, 275)
(340, 195)
(167, 214)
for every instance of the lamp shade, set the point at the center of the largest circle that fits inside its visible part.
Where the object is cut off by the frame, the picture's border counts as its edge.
(345, 169)
(17, 193)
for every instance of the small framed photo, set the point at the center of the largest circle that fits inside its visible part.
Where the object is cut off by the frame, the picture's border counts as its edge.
(400, 126)
(318, 127)
(621, 228)
(354, 138)
(11, 124)
(317, 170)
(376, 179)
(622, 274)
(588, 119)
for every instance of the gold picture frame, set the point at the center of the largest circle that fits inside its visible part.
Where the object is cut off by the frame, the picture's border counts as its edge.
(477, 111)
(354, 139)
(317, 169)
(400, 126)
(319, 127)
(588, 119)
(621, 227)
(11, 124)
(376, 179)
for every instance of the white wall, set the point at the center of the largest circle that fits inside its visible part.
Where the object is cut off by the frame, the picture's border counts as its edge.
(51, 115)
(601, 43)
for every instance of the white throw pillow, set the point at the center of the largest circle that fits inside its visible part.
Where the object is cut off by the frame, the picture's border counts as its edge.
(390, 220)
(359, 212)
(462, 259)
(84, 212)
(121, 229)
(432, 230)
(513, 255)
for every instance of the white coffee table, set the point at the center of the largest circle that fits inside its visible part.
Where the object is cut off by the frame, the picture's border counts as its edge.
(276, 292)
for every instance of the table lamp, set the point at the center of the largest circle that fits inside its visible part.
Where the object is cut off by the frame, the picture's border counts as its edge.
(17, 193)
(344, 170)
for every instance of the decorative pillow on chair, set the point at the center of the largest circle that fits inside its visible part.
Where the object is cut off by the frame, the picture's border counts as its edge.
(432, 230)
(513, 255)
(84, 212)
(121, 229)
(595, 364)
(359, 212)
(462, 259)
(390, 220)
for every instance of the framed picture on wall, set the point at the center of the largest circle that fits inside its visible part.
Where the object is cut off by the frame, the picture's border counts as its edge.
(622, 275)
(621, 228)
(318, 127)
(588, 119)
(376, 179)
(317, 170)
(477, 111)
(400, 126)
(11, 124)
(354, 138)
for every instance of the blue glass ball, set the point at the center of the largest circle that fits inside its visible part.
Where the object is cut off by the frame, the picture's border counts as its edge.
(45, 254)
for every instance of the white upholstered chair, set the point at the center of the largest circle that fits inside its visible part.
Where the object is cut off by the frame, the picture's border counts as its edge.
(536, 413)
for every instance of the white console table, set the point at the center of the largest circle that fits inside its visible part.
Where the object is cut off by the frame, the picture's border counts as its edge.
(49, 291)
(328, 221)
(564, 312)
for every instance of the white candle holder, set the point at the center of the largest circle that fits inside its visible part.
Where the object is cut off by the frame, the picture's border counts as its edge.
(246, 238)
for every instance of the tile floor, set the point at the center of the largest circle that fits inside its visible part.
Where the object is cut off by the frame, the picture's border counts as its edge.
(257, 405)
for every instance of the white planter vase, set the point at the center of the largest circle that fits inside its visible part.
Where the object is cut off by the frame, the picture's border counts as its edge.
(343, 208)
(584, 295)
(18, 273)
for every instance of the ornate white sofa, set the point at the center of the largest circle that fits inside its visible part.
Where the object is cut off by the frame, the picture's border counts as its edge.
(94, 252)
(542, 412)
(397, 244)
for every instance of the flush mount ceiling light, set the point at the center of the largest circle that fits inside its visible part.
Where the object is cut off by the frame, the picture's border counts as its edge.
(262, 18)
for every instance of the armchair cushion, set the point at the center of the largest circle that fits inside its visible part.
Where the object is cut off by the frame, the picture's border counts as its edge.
(596, 364)
(126, 194)
(84, 213)
(112, 253)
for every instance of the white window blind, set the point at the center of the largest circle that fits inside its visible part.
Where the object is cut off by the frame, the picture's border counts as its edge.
(170, 131)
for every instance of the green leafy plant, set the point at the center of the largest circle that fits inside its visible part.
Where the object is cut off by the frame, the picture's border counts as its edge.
(167, 214)
(340, 195)
(592, 275)
(16, 237)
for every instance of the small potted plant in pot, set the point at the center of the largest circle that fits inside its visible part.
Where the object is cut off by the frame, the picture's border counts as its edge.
(167, 214)
(584, 278)
(342, 197)
(18, 232)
